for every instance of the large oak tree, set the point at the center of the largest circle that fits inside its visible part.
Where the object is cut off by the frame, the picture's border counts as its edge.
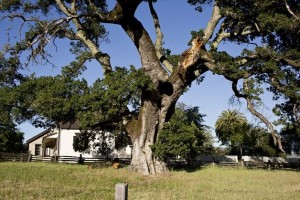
(272, 25)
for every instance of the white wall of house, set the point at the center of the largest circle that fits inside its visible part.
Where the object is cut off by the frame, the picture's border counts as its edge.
(66, 145)
(66, 139)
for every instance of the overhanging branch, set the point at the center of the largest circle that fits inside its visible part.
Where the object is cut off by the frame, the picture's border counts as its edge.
(276, 137)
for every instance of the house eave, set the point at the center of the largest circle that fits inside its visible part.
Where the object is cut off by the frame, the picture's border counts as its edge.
(38, 136)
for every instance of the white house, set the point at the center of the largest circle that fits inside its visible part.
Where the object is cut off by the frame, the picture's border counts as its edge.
(59, 142)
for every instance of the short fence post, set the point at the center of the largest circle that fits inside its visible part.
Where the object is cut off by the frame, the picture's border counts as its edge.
(269, 165)
(29, 157)
(80, 159)
(121, 191)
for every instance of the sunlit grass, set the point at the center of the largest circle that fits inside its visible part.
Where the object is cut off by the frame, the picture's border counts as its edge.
(62, 181)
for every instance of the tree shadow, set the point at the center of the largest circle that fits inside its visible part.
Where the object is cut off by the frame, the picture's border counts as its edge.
(188, 167)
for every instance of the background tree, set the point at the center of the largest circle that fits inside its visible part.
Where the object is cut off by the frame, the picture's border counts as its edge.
(231, 128)
(184, 136)
(11, 139)
(242, 138)
(256, 142)
(291, 138)
(272, 25)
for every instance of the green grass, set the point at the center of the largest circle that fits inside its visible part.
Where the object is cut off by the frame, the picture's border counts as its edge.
(62, 181)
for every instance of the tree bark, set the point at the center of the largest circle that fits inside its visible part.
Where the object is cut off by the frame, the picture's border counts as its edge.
(144, 133)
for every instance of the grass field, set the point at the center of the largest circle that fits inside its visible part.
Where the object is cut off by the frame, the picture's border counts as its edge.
(62, 181)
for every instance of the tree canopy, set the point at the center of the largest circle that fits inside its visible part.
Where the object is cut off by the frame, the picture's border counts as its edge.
(271, 61)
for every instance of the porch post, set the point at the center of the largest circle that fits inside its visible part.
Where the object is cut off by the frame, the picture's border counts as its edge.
(58, 139)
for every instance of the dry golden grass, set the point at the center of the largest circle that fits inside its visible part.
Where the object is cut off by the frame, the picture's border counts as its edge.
(61, 181)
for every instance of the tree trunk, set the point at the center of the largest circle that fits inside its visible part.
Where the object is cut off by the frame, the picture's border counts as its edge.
(144, 133)
(241, 152)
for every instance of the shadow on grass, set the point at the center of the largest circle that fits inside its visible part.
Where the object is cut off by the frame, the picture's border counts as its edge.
(187, 167)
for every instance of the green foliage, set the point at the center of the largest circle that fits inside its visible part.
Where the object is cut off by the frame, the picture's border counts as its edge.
(173, 58)
(94, 142)
(275, 32)
(10, 5)
(230, 125)
(184, 135)
(11, 139)
(290, 134)
(233, 129)
(9, 74)
(100, 142)
(49, 100)
(256, 142)
(199, 4)
(110, 97)
(195, 34)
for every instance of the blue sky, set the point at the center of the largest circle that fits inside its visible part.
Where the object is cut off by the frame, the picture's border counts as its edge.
(177, 20)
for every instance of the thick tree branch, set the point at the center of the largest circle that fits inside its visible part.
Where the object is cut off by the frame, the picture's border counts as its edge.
(293, 63)
(123, 10)
(290, 11)
(146, 49)
(296, 112)
(63, 8)
(159, 39)
(222, 35)
(102, 58)
(276, 137)
(212, 23)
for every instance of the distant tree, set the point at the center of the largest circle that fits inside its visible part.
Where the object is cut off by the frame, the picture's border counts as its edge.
(230, 123)
(231, 128)
(242, 138)
(184, 135)
(256, 142)
(291, 138)
(11, 139)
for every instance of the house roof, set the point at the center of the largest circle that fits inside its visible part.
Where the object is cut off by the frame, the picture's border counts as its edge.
(69, 125)
(38, 136)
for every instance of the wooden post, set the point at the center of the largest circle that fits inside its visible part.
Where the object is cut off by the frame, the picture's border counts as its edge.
(269, 165)
(121, 191)
(29, 156)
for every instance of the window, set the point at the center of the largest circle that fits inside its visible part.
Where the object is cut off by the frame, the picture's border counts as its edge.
(37, 151)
